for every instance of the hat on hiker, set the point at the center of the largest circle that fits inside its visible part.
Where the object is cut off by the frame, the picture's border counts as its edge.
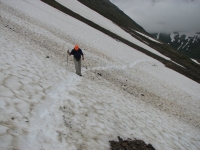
(76, 47)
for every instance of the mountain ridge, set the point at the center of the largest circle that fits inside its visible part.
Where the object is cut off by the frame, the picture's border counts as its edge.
(113, 13)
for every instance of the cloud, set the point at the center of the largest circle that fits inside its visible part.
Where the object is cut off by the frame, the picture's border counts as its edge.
(163, 15)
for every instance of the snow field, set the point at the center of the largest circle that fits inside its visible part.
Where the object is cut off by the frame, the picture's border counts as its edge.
(44, 105)
(89, 14)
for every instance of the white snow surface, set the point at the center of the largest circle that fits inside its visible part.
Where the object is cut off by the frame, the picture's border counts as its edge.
(148, 36)
(95, 17)
(195, 61)
(180, 45)
(158, 36)
(172, 36)
(44, 105)
(186, 44)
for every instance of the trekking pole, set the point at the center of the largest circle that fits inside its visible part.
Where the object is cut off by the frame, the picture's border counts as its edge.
(67, 59)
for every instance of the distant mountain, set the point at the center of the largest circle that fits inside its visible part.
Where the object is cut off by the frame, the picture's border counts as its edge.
(185, 43)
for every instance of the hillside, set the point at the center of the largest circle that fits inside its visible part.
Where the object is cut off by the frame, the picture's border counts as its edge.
(123, 93)
(189, 69)
(185, 43)
(113, 13)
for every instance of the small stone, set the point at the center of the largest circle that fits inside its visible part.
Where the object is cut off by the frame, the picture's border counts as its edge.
(99, 74)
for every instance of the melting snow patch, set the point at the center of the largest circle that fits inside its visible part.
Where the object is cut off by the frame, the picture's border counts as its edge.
(172, 35)
(158, 36)
(177, 63)
(147, 36)
(185, 45)
(195, 61)
(180, 46)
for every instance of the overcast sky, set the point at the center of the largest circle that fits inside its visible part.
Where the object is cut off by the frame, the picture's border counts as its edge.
(163, 15)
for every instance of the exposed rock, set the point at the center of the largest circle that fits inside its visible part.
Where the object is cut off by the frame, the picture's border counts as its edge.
(130, 145)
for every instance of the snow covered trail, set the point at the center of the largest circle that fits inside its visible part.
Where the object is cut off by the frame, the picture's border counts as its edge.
(121, 67)
(44, 105)
(48, 119)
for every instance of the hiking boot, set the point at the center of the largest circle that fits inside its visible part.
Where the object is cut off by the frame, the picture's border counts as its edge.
(79, 74)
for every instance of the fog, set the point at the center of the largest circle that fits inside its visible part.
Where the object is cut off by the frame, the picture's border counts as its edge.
(163, 15)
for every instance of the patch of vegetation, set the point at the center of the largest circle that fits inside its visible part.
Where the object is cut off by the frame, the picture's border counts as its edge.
(189, 69)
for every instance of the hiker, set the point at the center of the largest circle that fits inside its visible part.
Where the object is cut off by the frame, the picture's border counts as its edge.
(77, 52)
